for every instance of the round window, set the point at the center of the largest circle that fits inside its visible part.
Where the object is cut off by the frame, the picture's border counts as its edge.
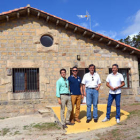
(46, 40)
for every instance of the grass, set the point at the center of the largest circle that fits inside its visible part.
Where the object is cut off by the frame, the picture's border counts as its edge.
(138, 137)
(2, 118)
(135, 104)
(4, 131)
(135, 112)
(115, 132)
(17, 133)
(26, 127)
(42, 126)
(46, 126)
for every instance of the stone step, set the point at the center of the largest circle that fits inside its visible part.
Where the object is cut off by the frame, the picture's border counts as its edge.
(49, 114)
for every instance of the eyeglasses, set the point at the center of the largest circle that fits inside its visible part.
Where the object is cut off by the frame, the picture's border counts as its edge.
(74, 70)
(92, 79)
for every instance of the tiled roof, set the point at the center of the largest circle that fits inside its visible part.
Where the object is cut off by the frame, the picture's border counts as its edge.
(70, 23)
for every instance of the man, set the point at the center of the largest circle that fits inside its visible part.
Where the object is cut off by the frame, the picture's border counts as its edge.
(75, 90)
(91, 84)
(64, 98)
(114, 81)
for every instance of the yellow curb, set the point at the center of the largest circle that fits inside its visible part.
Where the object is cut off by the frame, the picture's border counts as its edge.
(83, 126)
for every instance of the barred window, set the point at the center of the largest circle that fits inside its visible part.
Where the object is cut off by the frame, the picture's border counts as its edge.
(25, 80)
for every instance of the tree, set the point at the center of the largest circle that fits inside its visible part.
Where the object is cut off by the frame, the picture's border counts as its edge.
(134, 42)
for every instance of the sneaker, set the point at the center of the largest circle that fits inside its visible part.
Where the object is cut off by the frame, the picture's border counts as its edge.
(105, 119)
(95, 120)
(72, 121)
(87, 121)
(64, 126)
(69, 123)
(118, 120)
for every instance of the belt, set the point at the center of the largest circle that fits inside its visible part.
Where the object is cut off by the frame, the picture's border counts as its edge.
(65, 94)
(91, 88)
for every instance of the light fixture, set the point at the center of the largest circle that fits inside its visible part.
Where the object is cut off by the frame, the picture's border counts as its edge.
(78, 57)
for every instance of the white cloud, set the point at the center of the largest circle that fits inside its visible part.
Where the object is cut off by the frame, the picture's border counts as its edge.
(111, 34)
(134, 28)
(132, 35)
(95, 25)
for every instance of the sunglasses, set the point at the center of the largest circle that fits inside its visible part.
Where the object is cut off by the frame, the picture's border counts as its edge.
(74, 70)
(66, 84)
(92, 79)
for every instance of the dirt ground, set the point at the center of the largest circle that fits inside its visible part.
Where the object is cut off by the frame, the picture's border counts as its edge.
(28, 128)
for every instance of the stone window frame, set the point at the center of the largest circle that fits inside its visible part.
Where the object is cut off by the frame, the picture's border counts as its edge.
(42, 49)
(43, 79)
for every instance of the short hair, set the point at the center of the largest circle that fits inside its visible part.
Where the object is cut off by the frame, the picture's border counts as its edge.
(75, 67)
(115, 65)
(62, 70)
(91, 66)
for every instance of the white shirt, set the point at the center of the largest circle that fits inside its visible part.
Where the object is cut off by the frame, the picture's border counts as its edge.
(115, 81)
(91, 81)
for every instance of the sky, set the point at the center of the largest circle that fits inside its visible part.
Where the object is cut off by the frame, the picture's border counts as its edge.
(114, 18)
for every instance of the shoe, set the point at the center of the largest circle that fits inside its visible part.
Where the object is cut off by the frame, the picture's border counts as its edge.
(118, 120)
(64, 126)
(87, 121)
(78, 120)
(69, 123)
(105, 119)
(72, 121)
(95, 120)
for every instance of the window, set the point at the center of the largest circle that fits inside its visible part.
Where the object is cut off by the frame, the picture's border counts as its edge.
(25, 80)
(46, 40)
(125, 73)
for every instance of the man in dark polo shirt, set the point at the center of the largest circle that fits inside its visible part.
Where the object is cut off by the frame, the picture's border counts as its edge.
(76, 91)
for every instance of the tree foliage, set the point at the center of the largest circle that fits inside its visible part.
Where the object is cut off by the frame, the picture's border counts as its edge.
(134, 42)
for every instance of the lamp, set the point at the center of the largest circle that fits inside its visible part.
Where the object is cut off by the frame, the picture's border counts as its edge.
(78, 57)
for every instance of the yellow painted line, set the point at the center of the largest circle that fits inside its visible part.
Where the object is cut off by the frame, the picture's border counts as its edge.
(83, 126)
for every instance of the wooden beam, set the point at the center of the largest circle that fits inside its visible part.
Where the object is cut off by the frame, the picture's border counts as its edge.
(84, 33)
(28, 11)
(66, 26)
(18, 15)
(47, 19)
(132, 52)
(117, 46)
(38, 14)
(101, 39)
(57, 22)
(75, 29)
(109, 43)
(7, 17)
(92, 36)
(124, 48)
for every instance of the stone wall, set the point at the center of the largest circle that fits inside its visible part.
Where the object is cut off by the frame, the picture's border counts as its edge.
(20, 47)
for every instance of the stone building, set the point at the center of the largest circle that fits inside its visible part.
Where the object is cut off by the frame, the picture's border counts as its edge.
(35, 45)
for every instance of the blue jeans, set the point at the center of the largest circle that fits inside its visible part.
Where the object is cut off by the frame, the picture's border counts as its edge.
(117, 98)
(92, 97)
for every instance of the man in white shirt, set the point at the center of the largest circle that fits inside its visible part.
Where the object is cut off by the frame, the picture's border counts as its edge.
(91, 84)
(114, 81)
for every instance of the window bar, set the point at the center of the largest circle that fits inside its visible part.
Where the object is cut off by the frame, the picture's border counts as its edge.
(17, 80)
(29, 80)
(37, 74)
(24, 79)
(34, 79)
